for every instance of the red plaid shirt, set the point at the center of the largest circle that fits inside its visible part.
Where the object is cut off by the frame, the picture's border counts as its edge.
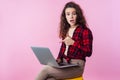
(82, 46)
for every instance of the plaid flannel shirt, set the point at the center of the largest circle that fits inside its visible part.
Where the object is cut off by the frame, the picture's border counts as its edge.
(82, 46)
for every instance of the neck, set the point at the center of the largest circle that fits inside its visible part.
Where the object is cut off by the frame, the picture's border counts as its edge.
(73, 26)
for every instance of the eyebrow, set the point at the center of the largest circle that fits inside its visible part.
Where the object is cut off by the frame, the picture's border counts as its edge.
(72, 12)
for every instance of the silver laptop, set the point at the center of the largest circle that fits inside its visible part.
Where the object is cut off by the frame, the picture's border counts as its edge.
(45, 57)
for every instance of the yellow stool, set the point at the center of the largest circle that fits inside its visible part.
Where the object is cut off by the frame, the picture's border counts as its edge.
(78, 78)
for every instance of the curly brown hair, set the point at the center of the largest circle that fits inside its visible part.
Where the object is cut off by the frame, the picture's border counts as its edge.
(64, 26)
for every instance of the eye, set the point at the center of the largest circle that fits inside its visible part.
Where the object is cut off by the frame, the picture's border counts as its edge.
(74, 13)
(67, 14)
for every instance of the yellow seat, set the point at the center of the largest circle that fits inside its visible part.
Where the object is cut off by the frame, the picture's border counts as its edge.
(78, 78)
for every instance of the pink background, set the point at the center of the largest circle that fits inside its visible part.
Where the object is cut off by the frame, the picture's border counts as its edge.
(26, 23)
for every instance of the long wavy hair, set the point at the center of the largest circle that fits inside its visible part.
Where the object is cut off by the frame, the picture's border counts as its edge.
(64, 25)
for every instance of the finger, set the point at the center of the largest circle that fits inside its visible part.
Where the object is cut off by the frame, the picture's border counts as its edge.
(69, 36)
(61, 41)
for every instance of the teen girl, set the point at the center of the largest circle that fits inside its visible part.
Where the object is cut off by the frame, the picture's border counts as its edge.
(76, 45)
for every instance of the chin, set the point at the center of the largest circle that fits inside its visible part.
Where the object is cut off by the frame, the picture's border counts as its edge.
(72, 24)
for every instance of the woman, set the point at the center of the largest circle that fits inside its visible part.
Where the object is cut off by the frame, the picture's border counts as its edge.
(76, 45)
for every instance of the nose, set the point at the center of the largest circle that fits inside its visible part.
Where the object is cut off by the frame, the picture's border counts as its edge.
(71, 16)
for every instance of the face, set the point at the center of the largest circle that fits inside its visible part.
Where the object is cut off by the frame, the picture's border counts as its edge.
(71, 16)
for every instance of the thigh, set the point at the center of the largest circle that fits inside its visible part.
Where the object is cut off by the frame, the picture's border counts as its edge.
(63, 73)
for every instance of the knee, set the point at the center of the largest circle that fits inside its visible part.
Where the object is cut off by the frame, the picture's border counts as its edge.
(45, 70)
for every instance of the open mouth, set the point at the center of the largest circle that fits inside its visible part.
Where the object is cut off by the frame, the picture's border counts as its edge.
(72, 21)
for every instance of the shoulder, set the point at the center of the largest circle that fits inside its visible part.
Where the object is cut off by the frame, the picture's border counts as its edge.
(87, 30)
(84, 29)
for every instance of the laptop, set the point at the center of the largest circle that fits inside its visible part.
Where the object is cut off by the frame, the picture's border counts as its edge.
(45, 57)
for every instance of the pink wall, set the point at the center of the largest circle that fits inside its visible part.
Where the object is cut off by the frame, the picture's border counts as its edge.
(26, 23)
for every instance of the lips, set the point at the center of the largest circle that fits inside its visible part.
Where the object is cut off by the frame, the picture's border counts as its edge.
(72, 21)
